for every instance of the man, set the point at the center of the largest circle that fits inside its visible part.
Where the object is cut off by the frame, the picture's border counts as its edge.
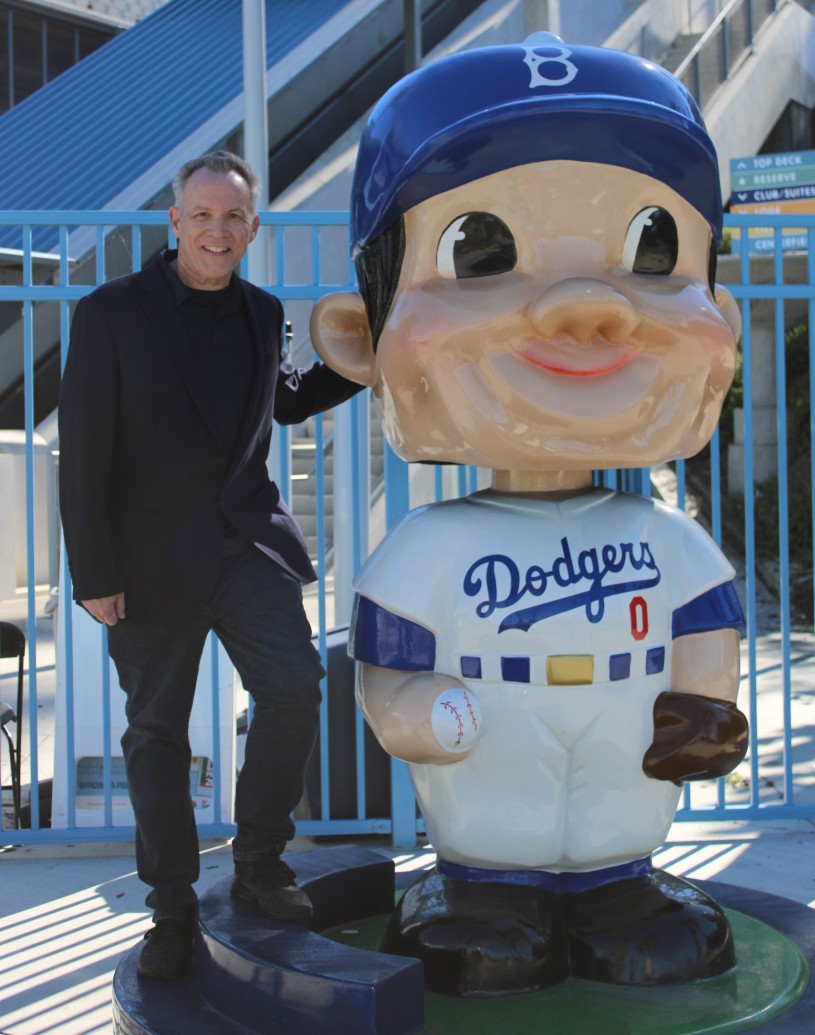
(173, 528)
(535, 230)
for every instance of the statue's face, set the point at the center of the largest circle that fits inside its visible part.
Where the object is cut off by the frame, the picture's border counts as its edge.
(555, 316)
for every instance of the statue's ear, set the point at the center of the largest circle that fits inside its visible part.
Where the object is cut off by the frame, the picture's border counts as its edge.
(341, 334)
(730, 309)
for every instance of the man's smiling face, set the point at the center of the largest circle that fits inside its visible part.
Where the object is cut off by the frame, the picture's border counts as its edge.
(555, 316)
(214, 226)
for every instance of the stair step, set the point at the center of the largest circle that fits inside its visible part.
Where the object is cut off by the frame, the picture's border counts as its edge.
(303, 460)
(254, 975)
(307, 520)
(308, 430)
(679, 50)
(307, 487)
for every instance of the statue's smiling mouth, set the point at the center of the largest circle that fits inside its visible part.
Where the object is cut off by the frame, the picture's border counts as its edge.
(568, 357)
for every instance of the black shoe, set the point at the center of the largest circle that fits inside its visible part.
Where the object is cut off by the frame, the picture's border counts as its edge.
(169, 951)
(479, 940)
(271, 886)
(653, 930)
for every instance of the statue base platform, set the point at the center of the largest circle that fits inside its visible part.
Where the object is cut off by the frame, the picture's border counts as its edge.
(254, 976)
(760, 992)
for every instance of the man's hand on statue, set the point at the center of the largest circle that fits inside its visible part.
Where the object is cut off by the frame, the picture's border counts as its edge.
(107, 610)
(695, 738)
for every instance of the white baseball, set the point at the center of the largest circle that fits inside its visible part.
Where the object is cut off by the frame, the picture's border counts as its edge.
(456, 719)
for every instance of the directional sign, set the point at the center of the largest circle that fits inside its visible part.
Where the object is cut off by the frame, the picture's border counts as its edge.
(790, 242)
(778, 184)
(789, 169)
(776, 208)
(763, 163)
(786, 177)
(773, 178)
(773, 195)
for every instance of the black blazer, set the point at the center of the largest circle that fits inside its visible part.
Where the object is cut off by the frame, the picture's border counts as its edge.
(144, 481)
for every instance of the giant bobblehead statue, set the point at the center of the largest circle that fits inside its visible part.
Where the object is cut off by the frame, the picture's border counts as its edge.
(535, 229)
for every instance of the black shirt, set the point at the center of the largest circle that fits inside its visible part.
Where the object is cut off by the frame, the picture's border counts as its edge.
(219, 333)
(221, 338)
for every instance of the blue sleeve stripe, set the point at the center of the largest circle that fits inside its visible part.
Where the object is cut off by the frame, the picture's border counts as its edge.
(719, 608)
(379, 637)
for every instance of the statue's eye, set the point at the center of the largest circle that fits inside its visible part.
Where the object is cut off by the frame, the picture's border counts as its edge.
(476, 244)
(651, 243)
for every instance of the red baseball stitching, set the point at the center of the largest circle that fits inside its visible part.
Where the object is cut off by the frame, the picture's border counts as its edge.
(471, 712)
(452, 708)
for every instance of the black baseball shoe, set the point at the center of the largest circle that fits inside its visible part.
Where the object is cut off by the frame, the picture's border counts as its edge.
(479, 940)
(271, 886)
(169, 950)
(652, 930)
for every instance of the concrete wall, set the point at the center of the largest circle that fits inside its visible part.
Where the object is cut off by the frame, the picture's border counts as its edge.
(653, 27)
(582, 21)
(780, 69)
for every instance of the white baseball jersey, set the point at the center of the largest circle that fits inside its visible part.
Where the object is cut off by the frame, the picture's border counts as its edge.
(560, 618)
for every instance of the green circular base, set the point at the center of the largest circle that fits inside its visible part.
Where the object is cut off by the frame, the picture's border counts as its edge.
(768, 978)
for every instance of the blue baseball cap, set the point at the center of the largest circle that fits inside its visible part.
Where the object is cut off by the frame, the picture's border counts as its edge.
(480, 111)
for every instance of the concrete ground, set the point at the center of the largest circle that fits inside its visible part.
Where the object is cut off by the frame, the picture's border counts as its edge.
(70, 911)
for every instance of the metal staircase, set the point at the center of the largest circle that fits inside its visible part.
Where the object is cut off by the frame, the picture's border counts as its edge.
(679, 50)
(304, 501)
(303, 495)
(706, 63)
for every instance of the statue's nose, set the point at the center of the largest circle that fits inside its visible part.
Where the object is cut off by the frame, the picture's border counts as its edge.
(583, 309)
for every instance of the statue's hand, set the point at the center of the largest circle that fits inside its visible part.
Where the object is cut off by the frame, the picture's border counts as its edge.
(427, 717)
(695, 738)
(456, 719)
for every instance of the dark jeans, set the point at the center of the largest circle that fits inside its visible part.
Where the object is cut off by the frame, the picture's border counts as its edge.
(257, 613)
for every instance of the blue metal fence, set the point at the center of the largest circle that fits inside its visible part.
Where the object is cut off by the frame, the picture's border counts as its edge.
(94, 246)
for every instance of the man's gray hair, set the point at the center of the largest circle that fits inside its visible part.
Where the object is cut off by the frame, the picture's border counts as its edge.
(220, 162)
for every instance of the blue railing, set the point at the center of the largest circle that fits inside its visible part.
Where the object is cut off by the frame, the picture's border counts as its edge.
(89, 248)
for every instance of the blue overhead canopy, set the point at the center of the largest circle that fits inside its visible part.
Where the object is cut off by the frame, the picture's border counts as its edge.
(113, 128)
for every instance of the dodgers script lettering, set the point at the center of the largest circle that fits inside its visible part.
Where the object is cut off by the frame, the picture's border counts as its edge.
(595, 573)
